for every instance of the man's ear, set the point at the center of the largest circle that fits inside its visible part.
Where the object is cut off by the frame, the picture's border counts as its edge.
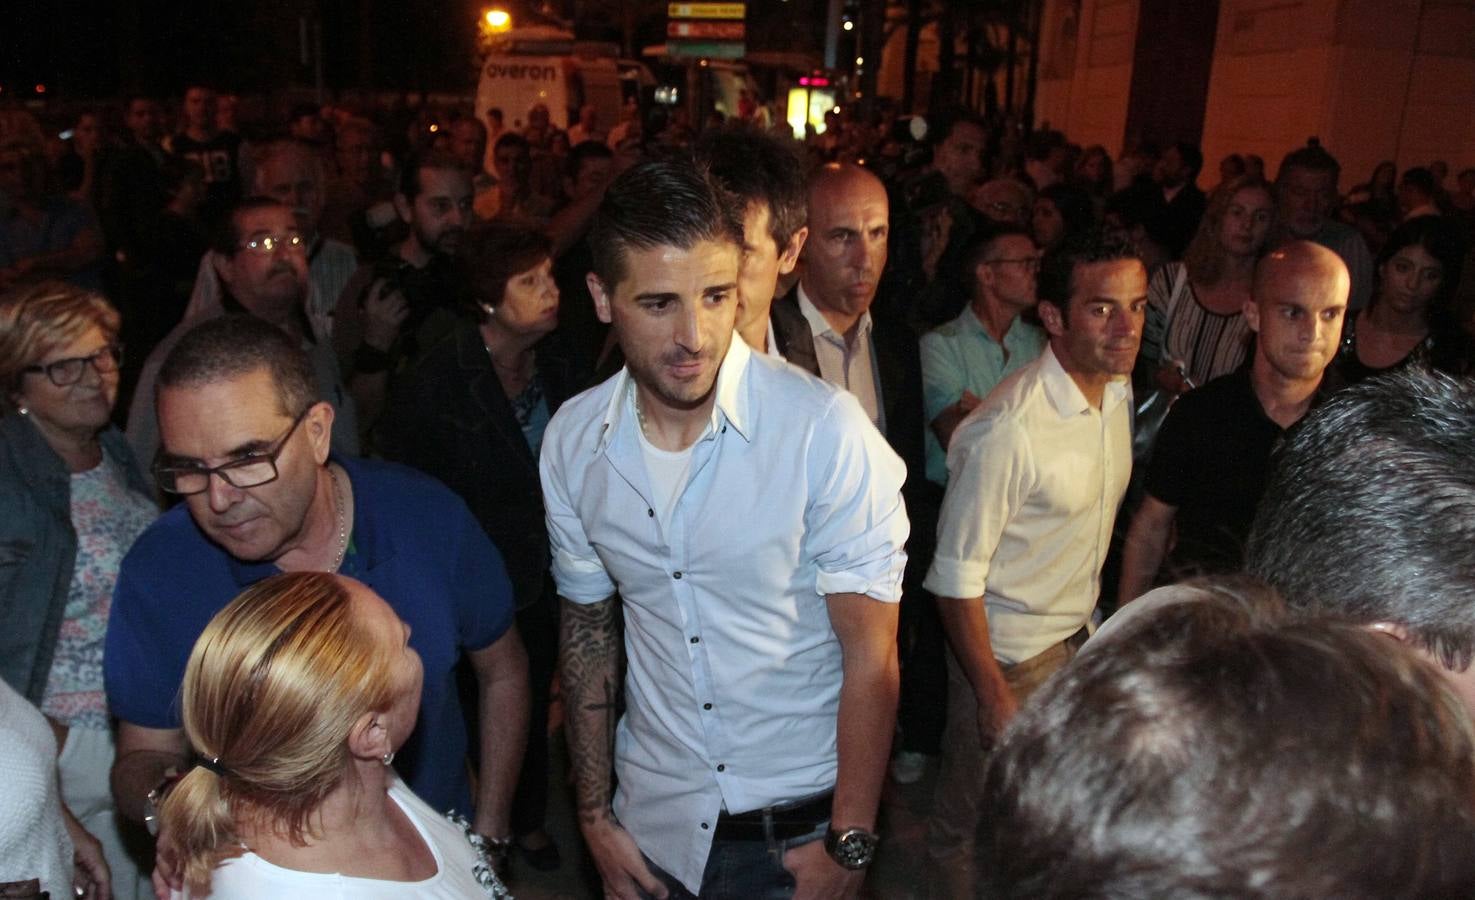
(319, 426)
(602, 297)
(1050, 316)
(223, 267)
(790, 257)
(1252, 315)
(403, 207)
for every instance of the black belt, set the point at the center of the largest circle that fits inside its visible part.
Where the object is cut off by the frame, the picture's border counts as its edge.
(780, 822)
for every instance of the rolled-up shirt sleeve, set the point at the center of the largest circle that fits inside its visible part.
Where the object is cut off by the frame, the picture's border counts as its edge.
(855, 522)
(577, 569)
(988, 479)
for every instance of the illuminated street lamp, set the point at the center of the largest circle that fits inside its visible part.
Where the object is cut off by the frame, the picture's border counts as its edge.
(498, 20)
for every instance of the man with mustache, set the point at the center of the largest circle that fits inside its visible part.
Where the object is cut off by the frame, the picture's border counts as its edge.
(1212, 457)
(393, 310)
(291, 173)
(246, 448)
(260, 257)
(1035, 475)
(745, 521)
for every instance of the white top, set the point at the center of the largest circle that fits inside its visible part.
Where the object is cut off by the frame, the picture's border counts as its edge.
(850, 366)
(33, 838)
(734, 672)
(1035, 477)
(668, 471)
(249, 877)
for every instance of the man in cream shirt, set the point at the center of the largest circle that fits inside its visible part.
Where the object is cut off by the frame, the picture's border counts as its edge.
(1035, 477)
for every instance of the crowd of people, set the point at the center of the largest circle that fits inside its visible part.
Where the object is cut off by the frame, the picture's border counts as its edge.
(345, 451)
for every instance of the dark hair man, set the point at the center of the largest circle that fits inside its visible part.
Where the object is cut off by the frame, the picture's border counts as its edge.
(245, 442)
(259, 257)
(966, 358)
(392, 310)
(1306, 192)
(760, 697)
(1369, 515)
(1210, 752)
(217, 152)
(1182, 201)
(1212, 457)
(764, 174)
(1418, 194)
(1035, 477)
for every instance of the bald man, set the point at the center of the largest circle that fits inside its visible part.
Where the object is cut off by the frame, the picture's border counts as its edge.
(1212, 457)
(830, 325)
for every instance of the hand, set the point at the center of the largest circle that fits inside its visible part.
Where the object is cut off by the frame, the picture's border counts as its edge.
(968, 402)
(620, 864)
(1170, 378)
(817, 876)
(384, 312)
(994, 714)
(91, 877)
(166, 877)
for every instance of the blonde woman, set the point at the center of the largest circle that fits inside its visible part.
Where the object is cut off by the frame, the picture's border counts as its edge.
(72, 501)
(1196, 329)
(295, 698)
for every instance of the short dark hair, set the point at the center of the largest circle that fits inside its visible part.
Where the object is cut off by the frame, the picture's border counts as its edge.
(1076, 207)
(1369, 512)
(1193, 157)
(1058, 268)
(672, 203)
(409, 186)
(758, 167)
(511, 139)
(981, 244)
(1213, 750)
(1313, 158)
(225, 235)
(943, 126)
(1420, 179)
(492, 254)
(582, 152)
(231, 346)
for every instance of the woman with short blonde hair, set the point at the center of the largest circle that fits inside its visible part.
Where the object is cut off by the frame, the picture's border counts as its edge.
(295, 698)
(74, 499)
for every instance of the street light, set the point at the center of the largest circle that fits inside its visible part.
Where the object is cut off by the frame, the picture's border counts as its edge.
(498, 20)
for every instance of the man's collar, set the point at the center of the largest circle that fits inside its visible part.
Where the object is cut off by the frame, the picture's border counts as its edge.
(731, 403)
(818, 324)
(1067, 397)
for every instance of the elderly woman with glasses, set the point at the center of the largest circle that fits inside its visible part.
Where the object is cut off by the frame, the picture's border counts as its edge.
(74, 499)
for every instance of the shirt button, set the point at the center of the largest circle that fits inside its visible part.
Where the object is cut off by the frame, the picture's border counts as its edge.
(704, 826)
(706, 706)
(650, 512)
(721, 768)
(696, 640)
(676, 575)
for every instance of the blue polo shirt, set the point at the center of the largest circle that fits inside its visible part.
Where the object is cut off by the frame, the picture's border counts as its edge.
(414, 542)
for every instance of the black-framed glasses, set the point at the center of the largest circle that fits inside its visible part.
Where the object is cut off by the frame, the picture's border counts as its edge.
(270, 243)
(247, 472)
(1030, 263)
(65, 372)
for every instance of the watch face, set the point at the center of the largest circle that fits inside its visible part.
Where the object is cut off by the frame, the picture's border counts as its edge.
(852, 848)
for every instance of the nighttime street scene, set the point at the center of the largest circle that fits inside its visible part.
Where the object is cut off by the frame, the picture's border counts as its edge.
(769, 450)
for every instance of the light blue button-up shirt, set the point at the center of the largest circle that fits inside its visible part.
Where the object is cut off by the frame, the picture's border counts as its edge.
(962, 356)
(733, 669)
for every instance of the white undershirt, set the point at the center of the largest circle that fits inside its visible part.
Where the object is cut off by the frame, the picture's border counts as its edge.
(668, 472)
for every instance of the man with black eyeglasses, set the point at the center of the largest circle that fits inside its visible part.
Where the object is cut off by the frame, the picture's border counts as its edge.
(261, 259)
(245, 441)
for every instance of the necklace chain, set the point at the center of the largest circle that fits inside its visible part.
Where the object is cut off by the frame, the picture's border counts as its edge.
(342, 520)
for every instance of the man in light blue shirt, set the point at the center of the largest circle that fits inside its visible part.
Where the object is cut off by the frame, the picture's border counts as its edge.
(746, 520)
(964, 359)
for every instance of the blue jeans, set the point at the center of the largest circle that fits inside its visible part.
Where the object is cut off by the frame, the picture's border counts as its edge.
(742, 870)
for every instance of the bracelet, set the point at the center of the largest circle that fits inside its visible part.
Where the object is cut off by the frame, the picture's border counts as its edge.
(370, 360)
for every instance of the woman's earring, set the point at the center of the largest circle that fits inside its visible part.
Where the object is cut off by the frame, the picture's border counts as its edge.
(387, 758)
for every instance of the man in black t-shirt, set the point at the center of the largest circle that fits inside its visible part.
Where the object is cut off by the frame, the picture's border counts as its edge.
(216, 151)
(1212, 458)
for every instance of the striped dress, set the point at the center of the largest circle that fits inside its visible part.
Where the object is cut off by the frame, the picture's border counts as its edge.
(1178, 327)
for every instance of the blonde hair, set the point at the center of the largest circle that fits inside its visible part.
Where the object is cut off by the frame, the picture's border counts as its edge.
(38, 318)
(1204, 257)
(272, 689)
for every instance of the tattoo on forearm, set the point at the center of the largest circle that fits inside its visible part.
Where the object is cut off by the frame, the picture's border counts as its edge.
(590, 654)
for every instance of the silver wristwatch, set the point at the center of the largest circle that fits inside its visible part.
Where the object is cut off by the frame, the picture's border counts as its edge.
(853, 848)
